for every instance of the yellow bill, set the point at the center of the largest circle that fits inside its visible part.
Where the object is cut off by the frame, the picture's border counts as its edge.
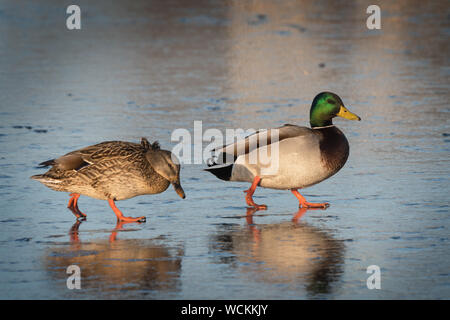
(344, 113)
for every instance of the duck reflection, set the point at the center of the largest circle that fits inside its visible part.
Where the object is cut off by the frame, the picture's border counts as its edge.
(113, 265)
(291, 253)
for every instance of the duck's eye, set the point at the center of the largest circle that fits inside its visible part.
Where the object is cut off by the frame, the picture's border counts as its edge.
(331, 101)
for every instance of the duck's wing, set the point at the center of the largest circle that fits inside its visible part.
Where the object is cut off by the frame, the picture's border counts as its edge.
(108, 149)
(257, 140)
(81, 158)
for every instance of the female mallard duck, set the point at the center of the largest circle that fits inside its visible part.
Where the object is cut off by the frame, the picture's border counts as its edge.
(303, 156)
(113, 170)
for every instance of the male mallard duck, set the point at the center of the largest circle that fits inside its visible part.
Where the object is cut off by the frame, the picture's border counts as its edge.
(113, 170)
(303, 156)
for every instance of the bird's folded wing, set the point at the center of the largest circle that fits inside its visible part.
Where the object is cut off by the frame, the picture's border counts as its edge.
(78, 159)
(260, 139)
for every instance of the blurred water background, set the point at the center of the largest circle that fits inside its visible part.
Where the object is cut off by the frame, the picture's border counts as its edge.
(146, 68)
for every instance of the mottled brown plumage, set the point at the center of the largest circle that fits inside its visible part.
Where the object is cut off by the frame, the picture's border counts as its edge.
(113, 170)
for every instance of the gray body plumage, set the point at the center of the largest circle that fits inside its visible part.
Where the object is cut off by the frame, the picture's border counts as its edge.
(288, 157)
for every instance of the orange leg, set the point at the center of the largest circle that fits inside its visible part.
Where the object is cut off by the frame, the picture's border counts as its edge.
(305, 204)
(74, 239)
(255, 231)
(120, 215)
(118, 228)
(73, 206)
(250, 192)
(301, 211)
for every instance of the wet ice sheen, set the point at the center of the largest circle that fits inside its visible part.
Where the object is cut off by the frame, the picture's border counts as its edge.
(154, 67)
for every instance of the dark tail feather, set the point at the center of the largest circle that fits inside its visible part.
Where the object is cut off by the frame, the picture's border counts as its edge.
(221, 171)
(47, 163)
(154, 146)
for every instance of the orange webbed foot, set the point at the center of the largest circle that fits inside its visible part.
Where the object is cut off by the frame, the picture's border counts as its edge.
(302, 203)
(121, 217)
(250, 192)
(73, 206)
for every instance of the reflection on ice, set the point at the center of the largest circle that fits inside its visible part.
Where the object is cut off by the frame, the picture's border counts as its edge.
(291, 253)
(116, 264)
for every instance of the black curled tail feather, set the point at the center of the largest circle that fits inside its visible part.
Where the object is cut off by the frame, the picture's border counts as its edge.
(222, 172)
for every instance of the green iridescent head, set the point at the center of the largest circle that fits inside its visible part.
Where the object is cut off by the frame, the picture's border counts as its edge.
(326, 106)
